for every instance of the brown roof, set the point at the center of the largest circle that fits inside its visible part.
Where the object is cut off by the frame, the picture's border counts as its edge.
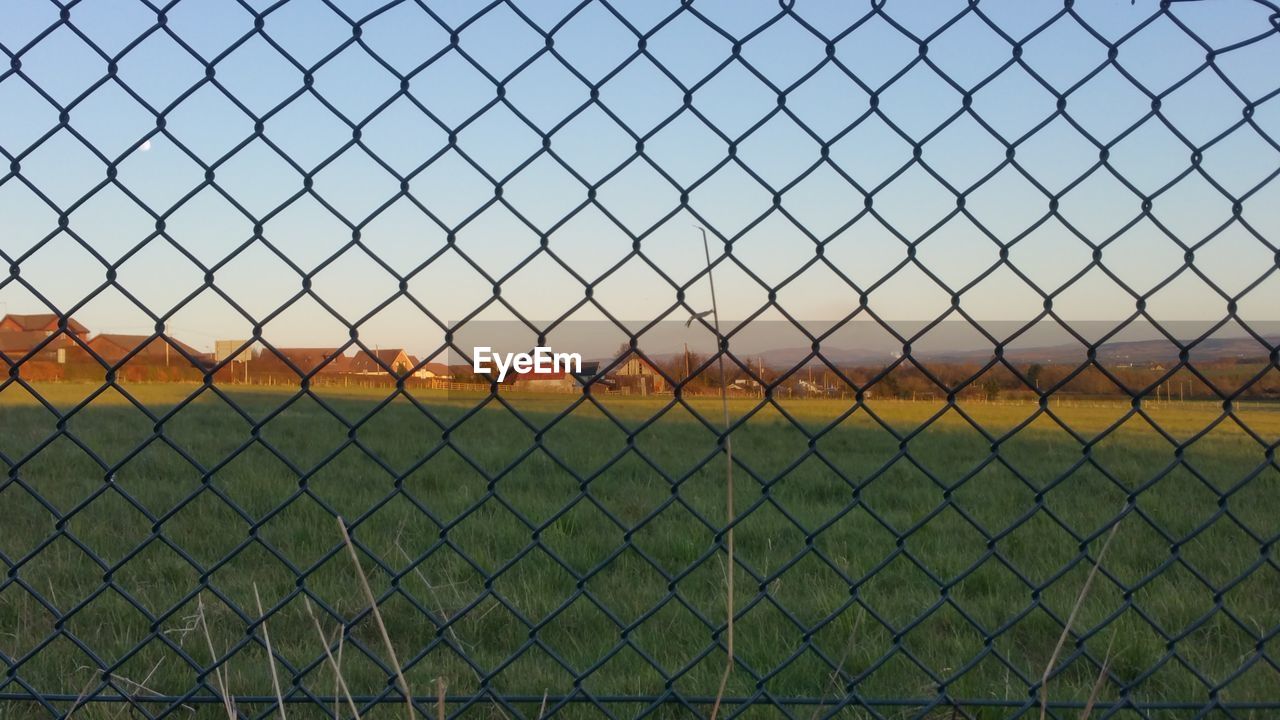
(43, 321)
(20, 342)
(363, 361)
(152, 346)
(437, 369)
(308, 359)
(630, 355)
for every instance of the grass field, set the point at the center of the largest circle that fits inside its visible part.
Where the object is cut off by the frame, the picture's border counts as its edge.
(532, 560)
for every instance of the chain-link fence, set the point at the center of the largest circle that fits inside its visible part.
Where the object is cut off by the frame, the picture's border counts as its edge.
(992, 289)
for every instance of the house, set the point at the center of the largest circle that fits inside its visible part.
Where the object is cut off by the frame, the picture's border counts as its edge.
(150, 349)
(15, 346)
(378, 361)
(304, 360)
(45, 323)
(431, 371)
(21, 335)
(590, 369)
(590, 377)
(635, 374)
(465, 373)
(558, 381)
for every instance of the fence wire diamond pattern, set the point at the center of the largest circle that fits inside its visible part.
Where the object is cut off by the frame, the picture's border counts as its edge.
(830, 660)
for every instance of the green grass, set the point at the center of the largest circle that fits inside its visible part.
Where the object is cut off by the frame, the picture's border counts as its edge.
(517, 537)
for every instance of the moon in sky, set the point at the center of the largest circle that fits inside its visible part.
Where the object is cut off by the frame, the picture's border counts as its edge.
(145, 146)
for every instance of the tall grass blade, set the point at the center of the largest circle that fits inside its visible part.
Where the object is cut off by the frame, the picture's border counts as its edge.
(271, 656)
(377, 617)
(730, 514)
(1071, 618)
(1096, 692)
(440, 687)
(219, 681)
(335, 664)
(835, 676)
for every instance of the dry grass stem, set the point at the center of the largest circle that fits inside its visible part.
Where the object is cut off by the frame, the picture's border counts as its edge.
(377, 617)
(124, 693)
(444, 615)
(337, 668)
(83, 693)
(340, 639)
(1071, 618)
(143, 685)
(440, 687)
(271, 657)
(730, 514)
(1096, 692)
(219, 681)
(835, 676)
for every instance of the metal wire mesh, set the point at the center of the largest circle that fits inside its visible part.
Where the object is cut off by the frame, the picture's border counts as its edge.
(839, 690)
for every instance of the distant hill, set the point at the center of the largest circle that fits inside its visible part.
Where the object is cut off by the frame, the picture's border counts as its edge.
(1136, 351)
(1112, 353)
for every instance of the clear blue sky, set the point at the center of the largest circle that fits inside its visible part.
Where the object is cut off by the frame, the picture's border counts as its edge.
(58, 66)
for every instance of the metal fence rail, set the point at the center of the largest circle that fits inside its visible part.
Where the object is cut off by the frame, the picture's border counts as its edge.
(39, 652)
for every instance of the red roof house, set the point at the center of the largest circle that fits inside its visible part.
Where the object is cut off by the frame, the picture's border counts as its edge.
(431, 370)
(15, 346)
(37, 337)
(377, 362)
(150, 349)
(46, 323)
(306, 360)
